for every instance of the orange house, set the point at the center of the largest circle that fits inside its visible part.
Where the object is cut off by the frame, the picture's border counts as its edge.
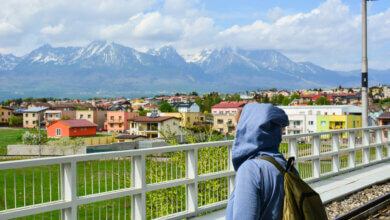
(71, 128)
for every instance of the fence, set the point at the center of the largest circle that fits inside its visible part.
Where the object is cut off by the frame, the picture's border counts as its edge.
(98, 140)
(171, 182)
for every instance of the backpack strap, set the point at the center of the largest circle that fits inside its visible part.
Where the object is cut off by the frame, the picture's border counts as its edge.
(274, 162)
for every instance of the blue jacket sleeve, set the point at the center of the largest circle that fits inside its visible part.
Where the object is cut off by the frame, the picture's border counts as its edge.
(247, 192)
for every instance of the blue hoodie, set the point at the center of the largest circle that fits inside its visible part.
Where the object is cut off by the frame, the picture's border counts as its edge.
(258, 192)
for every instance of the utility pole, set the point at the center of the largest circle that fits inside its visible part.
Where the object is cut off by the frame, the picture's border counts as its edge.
(39, 134)
(364, 66)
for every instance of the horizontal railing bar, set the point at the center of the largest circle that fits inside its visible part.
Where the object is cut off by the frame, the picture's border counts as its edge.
(335, 131)
(34, 209)
(215, 175)
(105, 155)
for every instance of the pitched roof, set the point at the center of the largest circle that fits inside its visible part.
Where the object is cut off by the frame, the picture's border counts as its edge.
(229, 105)
(149, 119)
(77, 123)
(183, 104)
(384, 115)
(36, 109)
(128, 136)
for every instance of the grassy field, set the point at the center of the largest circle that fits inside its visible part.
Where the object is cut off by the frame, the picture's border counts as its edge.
(13, 136)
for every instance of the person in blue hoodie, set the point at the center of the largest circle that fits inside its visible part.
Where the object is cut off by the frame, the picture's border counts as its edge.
(258, 192)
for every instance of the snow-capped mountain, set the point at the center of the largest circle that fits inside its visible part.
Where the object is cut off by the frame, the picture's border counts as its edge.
(8, 61)
(107, 68)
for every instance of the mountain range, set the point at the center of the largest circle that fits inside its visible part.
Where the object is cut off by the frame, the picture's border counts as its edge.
(109, 69)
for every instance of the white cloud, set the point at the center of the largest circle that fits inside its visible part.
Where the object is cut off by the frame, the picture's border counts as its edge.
(7, 29)
(53, 30)
(329, 35)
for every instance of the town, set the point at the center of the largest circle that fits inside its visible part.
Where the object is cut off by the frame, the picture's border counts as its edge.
(115, 120)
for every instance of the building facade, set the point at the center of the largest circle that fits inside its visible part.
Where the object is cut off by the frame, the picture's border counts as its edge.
(96, 117)
(150, 126)
(71, 128)
(33, 116)
(55, 115)
(187, 119)
(117, 121)
(5, 114)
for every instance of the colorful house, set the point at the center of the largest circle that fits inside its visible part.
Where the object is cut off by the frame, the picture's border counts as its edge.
(71, 128)
(117, 121)
(5, 114)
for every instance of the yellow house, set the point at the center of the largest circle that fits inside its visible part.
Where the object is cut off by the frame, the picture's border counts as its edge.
(97, 117)
(5, 114)
(187, 119)
(337, 122)
(226, 124)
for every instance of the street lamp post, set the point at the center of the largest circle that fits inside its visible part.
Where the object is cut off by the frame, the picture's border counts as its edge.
(364, 65)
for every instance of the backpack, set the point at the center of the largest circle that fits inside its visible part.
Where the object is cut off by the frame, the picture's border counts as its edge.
(300, 200)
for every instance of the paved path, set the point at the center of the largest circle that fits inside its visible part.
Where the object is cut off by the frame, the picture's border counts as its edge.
(336, 187)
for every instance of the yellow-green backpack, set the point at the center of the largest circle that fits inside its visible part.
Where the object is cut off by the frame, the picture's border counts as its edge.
(300, 200)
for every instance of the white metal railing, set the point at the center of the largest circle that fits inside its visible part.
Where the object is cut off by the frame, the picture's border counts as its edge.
(172, 182)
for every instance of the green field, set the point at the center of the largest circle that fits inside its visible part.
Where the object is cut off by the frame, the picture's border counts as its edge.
(13, 136)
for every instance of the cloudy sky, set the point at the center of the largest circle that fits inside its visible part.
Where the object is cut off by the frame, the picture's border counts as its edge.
(326, 32)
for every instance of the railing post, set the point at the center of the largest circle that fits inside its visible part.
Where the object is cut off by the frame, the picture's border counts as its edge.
(192, 173)
(230, 167)
(138, 201)
(316, 150)
(387, 145)
(366, 143)
(379, 140)
(352, 145)
(293, 148)
(68, 189)
(335, 148)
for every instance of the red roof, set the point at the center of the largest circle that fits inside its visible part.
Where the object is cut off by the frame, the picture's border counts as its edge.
(78, 123)
(229, 105)
(149, 119)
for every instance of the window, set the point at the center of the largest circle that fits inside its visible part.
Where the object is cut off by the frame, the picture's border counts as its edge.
(112, 125)
(26, 114)
(132, 125)
(120, 118)
(220, 121)
(323, 123)
(89, 116)
(120, 125)
(297, 123)
(297, 132)
(33, 122)
(2, 113)
(58, 131)
(26, 122)
(58, 115)
(201, 118)
(9, 113)
(50, 115)
(75, 130)
(230, 121)
(33, 114)
(311, 122)
(354, 124)
(81, 116)
(112, 118)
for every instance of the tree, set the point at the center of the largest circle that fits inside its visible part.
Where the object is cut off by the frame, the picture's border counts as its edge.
(274, 100)
(350, 90)
(310, 102)
(236, 97)
(266, 99)
(280, 99)
(286, 101)
(322, 101)
(273, 90)
(15, 120)
(294, 96)
(143, 112)
(165, 107)
(193, 93)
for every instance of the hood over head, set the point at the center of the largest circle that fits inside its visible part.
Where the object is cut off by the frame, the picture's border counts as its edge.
(259, 130)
